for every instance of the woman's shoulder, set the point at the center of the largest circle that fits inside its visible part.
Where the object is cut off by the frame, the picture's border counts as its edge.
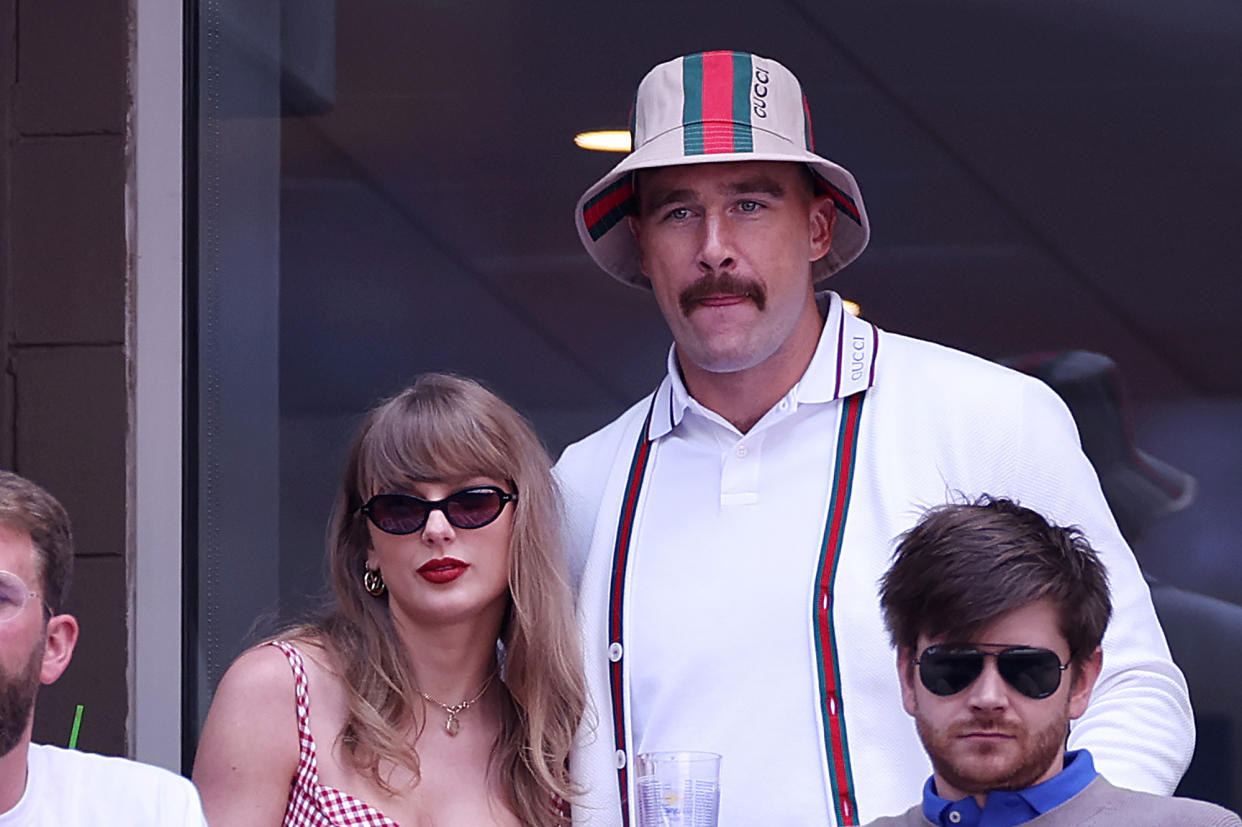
(249, 748)
(265, 676)
(258, 683)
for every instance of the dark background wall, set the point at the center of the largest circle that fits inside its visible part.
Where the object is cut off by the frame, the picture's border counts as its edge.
(64, 407)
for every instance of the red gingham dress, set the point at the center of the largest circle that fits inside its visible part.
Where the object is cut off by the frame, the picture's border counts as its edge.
(311, 804)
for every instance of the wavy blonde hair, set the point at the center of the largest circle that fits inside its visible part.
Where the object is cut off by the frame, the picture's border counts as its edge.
(445, 427)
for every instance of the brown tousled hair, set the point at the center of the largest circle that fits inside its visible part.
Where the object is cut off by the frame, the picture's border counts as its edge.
(445, 427)
(24, 506)
(964, 565)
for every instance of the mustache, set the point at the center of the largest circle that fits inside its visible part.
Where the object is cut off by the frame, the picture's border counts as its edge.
(715, 284)
(984, 724)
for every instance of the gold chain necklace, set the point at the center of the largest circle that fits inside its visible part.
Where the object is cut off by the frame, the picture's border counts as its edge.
(452, 725)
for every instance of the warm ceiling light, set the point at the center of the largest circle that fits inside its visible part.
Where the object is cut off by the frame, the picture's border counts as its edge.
(851, 307)
(617, 140)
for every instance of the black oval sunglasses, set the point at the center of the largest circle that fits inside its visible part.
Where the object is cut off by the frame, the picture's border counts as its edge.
(472, 507)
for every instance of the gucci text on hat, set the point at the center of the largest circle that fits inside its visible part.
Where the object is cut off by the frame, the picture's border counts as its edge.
(713, 107)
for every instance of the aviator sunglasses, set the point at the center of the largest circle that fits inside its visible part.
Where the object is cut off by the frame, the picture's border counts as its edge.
(472, 507)
(948, 669)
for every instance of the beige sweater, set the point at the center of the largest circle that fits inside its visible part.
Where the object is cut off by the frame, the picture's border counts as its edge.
(1101, 804)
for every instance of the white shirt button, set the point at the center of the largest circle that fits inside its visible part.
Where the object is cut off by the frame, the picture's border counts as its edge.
(742, 451)
(620, 759)
(955, 816)
(614, 652)
(784, 406)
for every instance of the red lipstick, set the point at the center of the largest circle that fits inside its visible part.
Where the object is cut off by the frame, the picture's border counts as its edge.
(443, 570)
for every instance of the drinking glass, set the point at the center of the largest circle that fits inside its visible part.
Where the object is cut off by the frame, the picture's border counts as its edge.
(678, 789)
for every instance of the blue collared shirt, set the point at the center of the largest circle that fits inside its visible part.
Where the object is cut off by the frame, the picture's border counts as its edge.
(1006, 808)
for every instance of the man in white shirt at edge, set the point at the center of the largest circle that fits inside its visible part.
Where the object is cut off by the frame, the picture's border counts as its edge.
(41, 784)
(728, 530)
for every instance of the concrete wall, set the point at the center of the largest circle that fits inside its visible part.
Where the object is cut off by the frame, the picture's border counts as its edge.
(65, 398)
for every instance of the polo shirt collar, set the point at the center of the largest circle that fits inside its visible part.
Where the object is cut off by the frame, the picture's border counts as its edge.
(843, 365)
(1079, 771)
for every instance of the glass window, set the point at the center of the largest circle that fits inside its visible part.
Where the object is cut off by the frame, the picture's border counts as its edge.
(386, 188)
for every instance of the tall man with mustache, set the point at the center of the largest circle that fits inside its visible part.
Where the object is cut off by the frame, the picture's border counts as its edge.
(730, 528)
(997, 618)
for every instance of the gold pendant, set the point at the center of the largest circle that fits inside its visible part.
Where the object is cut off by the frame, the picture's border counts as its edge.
(451, 726)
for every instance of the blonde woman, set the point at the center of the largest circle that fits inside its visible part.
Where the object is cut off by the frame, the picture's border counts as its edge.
(443, 687)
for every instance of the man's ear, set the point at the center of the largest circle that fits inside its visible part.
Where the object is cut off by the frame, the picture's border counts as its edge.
(905, 674)
(62, 636)
(823, 218)
(1085, 674)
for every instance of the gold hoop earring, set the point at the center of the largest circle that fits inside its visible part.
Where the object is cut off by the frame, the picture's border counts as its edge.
(373, 582)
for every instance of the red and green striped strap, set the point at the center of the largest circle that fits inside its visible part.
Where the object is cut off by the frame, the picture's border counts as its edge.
(825, 638)
(716, 103)
(608, 207)
(833, 717)
(616, 595)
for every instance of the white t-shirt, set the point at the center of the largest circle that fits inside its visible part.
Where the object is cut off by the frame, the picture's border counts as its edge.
(68, 788)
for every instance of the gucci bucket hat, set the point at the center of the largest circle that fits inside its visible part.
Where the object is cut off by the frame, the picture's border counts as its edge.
(714, 107)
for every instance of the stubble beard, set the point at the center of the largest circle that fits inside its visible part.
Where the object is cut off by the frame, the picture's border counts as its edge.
(1034, 754)
(17, 698)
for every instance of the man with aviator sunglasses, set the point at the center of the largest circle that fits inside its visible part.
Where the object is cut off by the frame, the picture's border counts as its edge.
(997, 617)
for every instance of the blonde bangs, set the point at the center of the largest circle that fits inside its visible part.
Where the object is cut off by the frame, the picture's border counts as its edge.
(429, 438)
